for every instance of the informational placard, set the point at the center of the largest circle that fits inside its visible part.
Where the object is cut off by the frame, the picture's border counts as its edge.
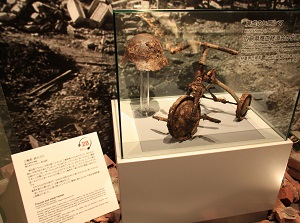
(267, 41)
(65, 182)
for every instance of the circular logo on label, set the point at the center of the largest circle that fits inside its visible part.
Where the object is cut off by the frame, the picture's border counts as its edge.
(85, 143)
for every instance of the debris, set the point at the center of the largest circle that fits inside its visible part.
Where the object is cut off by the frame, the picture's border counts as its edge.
(101, 12)
(89, 44)
(18, 8)
(294, 173)
(101, 219)
(145, 5)
(284, 214)
(3, 185)
(93, 63)
(115, 182)
(294, 165)
(215, 5)
(118, 2)
(42, 7)
(35, 143)
(7, 16)
(50, 82)
(109, 162)
(76, 11)
(287, 193)
(11, 2)
(78, 128)
(294, 161)
(93, 6)
(7, 171)
(114, 216)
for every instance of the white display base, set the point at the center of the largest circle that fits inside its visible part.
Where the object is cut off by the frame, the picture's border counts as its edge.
(199, 184)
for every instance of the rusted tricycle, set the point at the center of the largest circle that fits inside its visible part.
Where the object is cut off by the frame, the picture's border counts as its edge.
(185, 114)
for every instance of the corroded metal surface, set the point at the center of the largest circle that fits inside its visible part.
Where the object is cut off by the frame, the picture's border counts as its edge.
(146, 52)
(243, 106)
(183, 120)
(185, 114)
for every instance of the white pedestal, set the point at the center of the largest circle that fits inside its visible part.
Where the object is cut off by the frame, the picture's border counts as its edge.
(202, 183)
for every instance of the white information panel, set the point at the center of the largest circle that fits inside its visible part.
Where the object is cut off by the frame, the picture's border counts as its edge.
(65, 182)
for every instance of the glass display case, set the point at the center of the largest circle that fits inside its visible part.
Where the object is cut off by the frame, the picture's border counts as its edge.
(205, 103)
(203, 80)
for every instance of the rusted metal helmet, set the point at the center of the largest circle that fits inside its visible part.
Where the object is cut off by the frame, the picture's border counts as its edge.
(146, 52)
